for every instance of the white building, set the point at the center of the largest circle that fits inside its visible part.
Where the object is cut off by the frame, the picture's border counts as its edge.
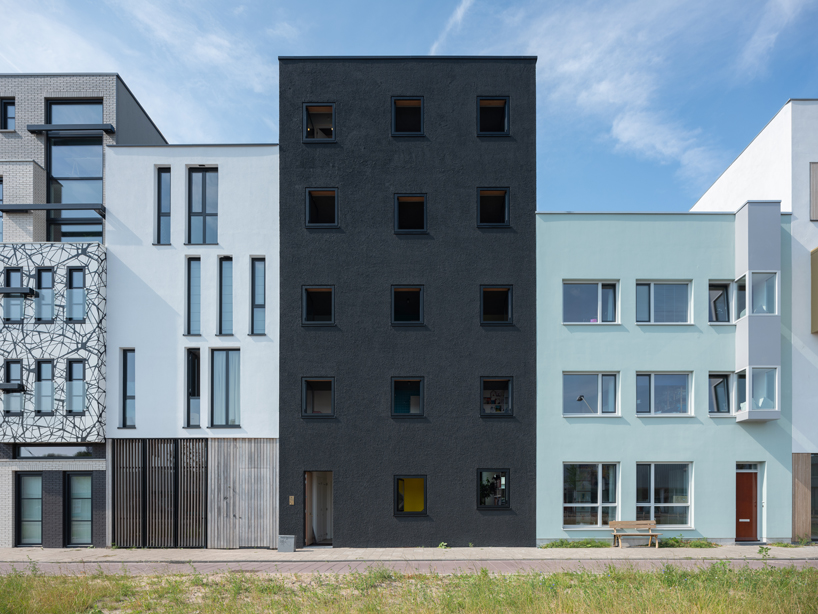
(192, 234)
(782, 164)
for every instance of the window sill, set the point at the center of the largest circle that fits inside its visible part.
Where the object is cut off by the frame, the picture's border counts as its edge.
(410, 515)
(590, 527)
(496, 415)
(43, 414)
(225, 426)
(191, 334)
(44, 321)
(404, 324)
(721, 415)
(256, 334)
(493, 226)
(163, 244)
(493, 134)
(722, 323)
(317, 141)
(665, 416)
(664, 324)
(493, 508)
(317, 416)
(404, 416)
(321, 226)
(408, 134)
(311, 324)
(592, 323)
(7, 131)
(597, 415)
(74, 414)
(411, 232)
(224, 335)
(119, 428)
(191, 427)
(75, 321)
(12, 414)
(201, 244)
(496, 324)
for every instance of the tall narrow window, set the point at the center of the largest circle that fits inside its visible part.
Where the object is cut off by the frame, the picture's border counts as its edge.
(259, 299)
(719, 303)
(30, 509)
(44, 303)
(128, 388)
(13, 304)
(663, 493)
(492, 116)
(741, 391)
(764, 291)
(193, 387)
(764, 386)
(163, 207)
(194, 296)
(13, 401)
(79, 509)
(75, 299)
(226, 296)
(226, 388)
(741, 298)
(7, 115)
(203, 208)
(75, 392)
(719, 393)
(319, 122)
(44, 387)
(1, 213)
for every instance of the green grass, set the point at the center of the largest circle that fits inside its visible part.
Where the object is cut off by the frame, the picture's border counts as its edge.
(680, 542)
(718, 589)
(783, 545)
(577, 543)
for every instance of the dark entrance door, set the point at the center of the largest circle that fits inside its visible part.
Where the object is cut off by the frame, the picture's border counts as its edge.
(746, 506)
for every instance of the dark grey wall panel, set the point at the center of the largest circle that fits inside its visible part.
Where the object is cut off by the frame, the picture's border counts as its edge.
(98, 508)
(53, 509)
(133, 126)
(363, 446)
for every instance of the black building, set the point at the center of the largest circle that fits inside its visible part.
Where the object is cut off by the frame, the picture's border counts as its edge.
(408, 192)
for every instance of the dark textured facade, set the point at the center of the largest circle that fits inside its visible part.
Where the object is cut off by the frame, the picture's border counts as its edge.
(364, 446)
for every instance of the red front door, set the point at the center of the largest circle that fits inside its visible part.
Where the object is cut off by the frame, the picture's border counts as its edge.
(746, 507)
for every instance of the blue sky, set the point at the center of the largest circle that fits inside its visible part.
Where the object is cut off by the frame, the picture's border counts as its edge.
(641, 103)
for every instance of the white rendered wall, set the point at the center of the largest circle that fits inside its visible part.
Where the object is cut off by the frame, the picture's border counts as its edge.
(147, 286)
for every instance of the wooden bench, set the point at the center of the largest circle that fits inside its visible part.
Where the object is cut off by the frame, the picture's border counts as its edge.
(634, 526)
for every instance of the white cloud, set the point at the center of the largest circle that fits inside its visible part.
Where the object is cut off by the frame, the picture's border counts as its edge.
(284, 30)
(777, 15)
(454, 22)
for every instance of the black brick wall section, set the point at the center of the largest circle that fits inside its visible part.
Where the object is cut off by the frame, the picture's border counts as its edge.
(98, 494)
(53, 509)
(98, 450)
(6, 451)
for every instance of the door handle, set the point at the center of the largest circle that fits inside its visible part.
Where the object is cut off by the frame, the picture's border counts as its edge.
(744, 520)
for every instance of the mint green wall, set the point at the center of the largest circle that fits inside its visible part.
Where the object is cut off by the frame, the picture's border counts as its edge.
(627, 247)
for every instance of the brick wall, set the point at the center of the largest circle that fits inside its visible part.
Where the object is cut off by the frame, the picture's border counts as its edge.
(99, 510)
(53, 509)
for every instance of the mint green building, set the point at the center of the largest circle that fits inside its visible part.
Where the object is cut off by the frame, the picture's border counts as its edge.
(663, 373)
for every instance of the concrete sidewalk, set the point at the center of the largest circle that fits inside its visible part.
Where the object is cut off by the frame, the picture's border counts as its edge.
(405, 560)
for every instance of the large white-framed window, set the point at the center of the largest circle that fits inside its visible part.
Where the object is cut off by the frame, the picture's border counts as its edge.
(589, 494)
(663, 302)
(589, 302)
(663, 394)
(760, 385)
(664, 493)
(757, 294)
(589, 394)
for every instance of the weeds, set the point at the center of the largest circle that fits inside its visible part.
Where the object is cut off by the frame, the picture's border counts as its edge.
(577, 543)
(681, 542)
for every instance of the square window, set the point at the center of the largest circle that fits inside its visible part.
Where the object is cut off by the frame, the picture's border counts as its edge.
(407, 116)
(662, 393)
(495, 395)
(407, 305)
(410, 495)
(492, 116)
(407, 396)
(319, 123)
(322, 208)
(319, 306)
(719, 297)
(318, 397)
(663, 493)
(662, 303)
(410, 213)
(588, 393)
(495, 305)
(719, 393)
(588, 303)
(588, 494)
(492, 207)
(493, 489)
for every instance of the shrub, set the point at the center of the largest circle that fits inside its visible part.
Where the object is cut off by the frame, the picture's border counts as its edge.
(578, 543)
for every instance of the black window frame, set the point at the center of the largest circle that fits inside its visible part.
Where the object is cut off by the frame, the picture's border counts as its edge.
(498, 508)
(38, 281)
(126, 353)
(728, 380)
(317, 226)
(8, 271)
(227, 351)
(73, 101)
(221, 327)
(69, 378)
(507, 222)
(203, 171)
(490, 287)
(5, 104)
(189, 291)
(422, 116)
(88, 448)
(160, 215)
(253, 304)
(425, 511)
(193, 380)
(497, 378)
(412, 231)
(7, 379)
(409, 378)
(18, 515)
(726, 287)
(304, 138)
(403, 288)
(304, 290)
(314, 378)
(67, 509)
(508, 116)
(39, 379)
(69, 286)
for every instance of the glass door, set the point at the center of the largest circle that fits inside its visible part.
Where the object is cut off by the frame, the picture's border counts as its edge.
(30, 509)
(79, 510)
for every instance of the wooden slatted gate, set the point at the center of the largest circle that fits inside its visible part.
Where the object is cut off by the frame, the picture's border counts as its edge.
(160, 493)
